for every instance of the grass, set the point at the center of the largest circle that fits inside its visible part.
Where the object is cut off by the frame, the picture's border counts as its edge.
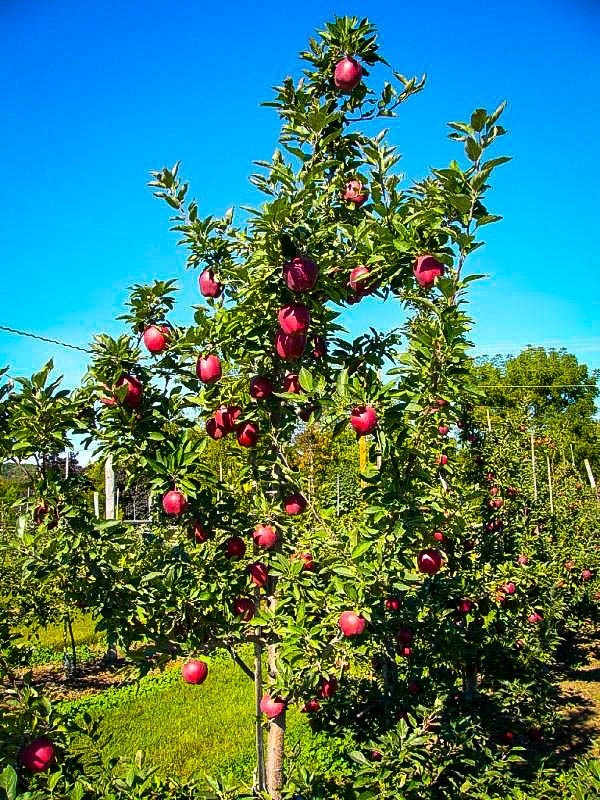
(52, 637)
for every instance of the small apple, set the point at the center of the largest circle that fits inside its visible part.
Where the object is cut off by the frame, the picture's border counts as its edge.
(265, 536)
(294, 504)
(351, 623)
(133, 395)
(208, 368)
(393, 604)
(426, 269)
(509, 588)
(194, 671)
(38, 755)
(156, 339)
(310, 706)
(441, 460)
(363, 419)
(507, 737)
(376, 755)
(523, 560)
(247, 434)
(405, 635)
(40, 515)
(260, 387)
(406, 651)
(443, 430)
(289, 347)
(535, 734)
(300, 274)
(464, 606)
(272, 707)
(291, 383)
(294, 318)
(307, 560)
(209, 286)
(328, 688)
(235, 547)
(535, 618)
(243, 607)
(174, 503)
(586, 575)
(347, 74)
(259, 574)
(429, 561)
(439, 536)
(355, 193)
(198, 532)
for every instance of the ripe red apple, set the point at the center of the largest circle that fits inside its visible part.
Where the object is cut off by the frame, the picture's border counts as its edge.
(209, 286)
(534, 618)
(294, 318)
(213, 430)
(443, 430)
(265, 536)
(300, 274)
(198, 531)
(291, 383)
(243, 607)
(307, 560)
(358, 280)
(174, 503)
(363, 419)
(319, 347)
(310, 706)
(464, 606)
(328, 687)
(507, 737)
(523, 560)
(247, 434)
(497, 502)
(208, 368)
(393, 604)
(235, 547)
(289, 347)
(355, 193)
(224, 419)
(38, 755)
(272, 707)
(294, 504)
(376, 755)
(586, 575)
(439, 536)
(405, 635)
(406, 651)
(347, 74)
(509, 588)
(194, 671)
(260, 387)
(441, 460)
(156, 339)
(41, 511)
(351, 623)
(429, 561)
(133, 395)
(414, 687)
(426, 269)
(259, 574)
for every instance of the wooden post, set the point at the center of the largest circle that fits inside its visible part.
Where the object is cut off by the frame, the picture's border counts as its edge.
(590, 473)
(489, 421)
(97, 505)
(109, 488)
(550, 485)
(535, 491)
(67, 465)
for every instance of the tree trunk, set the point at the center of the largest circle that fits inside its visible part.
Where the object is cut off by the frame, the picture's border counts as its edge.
(260, 779)
(275, 743)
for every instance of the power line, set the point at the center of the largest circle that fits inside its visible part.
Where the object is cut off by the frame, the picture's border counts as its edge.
(44, 339)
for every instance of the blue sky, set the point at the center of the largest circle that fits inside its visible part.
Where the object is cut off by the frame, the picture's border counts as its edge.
(95, 96)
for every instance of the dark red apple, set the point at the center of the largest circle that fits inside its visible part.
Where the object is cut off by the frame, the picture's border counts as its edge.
(393, 604)
(209, 286)
(363, 419)
(291, 383)
(294, 318)
(272, 707)
(265, 536)
(414, 687)
(198, 532)
(38, 755)
(235, 547)
(224, 419)
(156, 339)
(359, 280)
(243, 607)
(174, 503)
(464, 606)
(133, 395)
(294, 504)
(259, 574)
(355, 193)
(307, 560)
(247, 434)
(429, 561)
(347, 74)
(426, 269)
(507, 737)
(376, 755)
(300, 274)
(260, 387)
(328, 688)
(351, 623)
(194, 671)
(310, 706)
(289, 347)
(208, 368)
(535, 734)
(405, 635)
(40, 515)
(213, 430)
(319, 347)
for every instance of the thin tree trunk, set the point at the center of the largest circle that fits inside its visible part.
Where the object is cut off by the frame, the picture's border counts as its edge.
(275, 742)
(261, 783)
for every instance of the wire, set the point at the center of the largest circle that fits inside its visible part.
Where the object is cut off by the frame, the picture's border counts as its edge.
(44, 339)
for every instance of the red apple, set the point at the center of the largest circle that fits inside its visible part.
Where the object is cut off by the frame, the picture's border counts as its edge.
(441, 460)
(133, 395)
(507, 737)
(300, 274)
(289, 347)
(310, 706)
(260, 387)
(291, 383)
(209, 286)
(224, 419)
(174, 503)
(194, 671)
(414, 687)
(247, 434)
(464, 606)
(347, 74)
(208, 368)
(319, 347)
(235, 547)
(535, 734)
(359, 280)
(426, 269)
(535, 618)
(443, 430)
(586, 575)
(259, 574)
(38, 755)
(243, 607)
(265, 536)
(351, 623)
(393, 604)
(198, 531)
(509, 588)
(376, 755)
(294, 318)
(523, 560)
(156, 339)
(213, 430)
(272, 707)
(439, 536)
(294, 504)
(41, 511)
(355, 193)
(363, 419)
(307, 560)
(406, 651)
(328, 688)
(429, 561)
